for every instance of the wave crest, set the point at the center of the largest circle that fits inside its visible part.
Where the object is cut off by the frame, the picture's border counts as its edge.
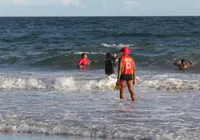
(60, 83)
(170, 84)
(102, 84)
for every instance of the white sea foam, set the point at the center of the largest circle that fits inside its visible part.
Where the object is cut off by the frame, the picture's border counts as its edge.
(92, 83)
(173, 82)
(63, 83)
(80, 52)
(96, 130)
(115, 45)
(81, 111)
(21, 83)
(57, 83)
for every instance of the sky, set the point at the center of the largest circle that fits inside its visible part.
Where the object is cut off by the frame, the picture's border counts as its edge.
(99, 8)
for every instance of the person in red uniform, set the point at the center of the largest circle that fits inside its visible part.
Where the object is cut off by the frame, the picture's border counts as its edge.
(126, 73)
(84, 62)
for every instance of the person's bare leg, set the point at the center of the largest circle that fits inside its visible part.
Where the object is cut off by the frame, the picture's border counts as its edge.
(130, 88)
(122, 90)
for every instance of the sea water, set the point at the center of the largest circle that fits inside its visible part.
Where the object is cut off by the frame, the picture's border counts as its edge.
(43, 92)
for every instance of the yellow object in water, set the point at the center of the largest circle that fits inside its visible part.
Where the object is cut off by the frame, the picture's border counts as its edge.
(117, 87)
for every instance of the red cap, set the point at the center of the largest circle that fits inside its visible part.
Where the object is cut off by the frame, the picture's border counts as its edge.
(125, 50)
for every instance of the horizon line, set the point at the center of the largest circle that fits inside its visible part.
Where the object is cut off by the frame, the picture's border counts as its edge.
(106, 16)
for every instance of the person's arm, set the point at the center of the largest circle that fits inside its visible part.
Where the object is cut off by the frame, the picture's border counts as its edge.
(189, 65)
(89, 62)
(80, 64)
(115, 60)
(119, 69)
(92, 61)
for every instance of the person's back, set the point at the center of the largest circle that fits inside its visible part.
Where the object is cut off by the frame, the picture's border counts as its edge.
(127, 65)
(126, 73)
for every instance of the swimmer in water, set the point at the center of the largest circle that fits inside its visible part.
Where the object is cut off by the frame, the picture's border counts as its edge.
(84, 62)
(183, 65)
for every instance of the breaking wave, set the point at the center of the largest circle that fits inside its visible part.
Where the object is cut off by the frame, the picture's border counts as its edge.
(73, 83)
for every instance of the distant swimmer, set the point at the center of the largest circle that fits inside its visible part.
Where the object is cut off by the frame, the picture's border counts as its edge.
(126, 73)
(183, 65)
(109, 64)
(84, 62)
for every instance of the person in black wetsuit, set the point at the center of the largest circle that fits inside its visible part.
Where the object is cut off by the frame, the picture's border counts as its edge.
(109, 64)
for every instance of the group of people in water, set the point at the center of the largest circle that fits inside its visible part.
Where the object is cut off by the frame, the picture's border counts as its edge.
(126, 72)
(126, 69)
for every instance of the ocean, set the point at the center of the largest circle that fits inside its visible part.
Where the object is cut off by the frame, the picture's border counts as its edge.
(42, 92)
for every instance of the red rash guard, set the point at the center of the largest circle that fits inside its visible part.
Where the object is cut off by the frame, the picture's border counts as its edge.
(84, 62)
(127, 64)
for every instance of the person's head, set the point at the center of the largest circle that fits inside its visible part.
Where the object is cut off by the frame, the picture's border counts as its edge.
(84, 55)
(125, 51)
(183, 61)
(115, 55)
(108, 55)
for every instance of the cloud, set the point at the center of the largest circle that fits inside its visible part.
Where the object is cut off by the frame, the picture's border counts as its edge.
(72, 2)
